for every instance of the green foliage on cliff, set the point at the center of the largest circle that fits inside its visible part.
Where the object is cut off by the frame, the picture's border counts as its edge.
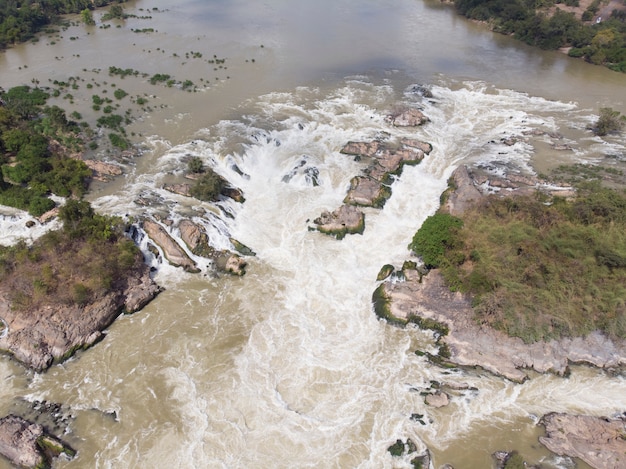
(541, 271)
(542, 23)
(76, 265)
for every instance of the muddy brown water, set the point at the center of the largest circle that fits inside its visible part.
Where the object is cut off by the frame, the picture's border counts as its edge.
(288, 366)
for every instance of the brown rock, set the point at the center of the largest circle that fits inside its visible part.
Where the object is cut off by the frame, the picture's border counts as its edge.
(103, 171)
(347, 219)
(408, 118)
(438, 399)
(464, 195)
(55, 331)
(180, 189)
(23, 443)
(366, 192)
(174, 253)
(597, 441)
(473, 345)
(361, 148)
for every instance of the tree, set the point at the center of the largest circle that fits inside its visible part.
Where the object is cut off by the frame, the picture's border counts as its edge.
(87, 17)
(208, 187)
(609, 121)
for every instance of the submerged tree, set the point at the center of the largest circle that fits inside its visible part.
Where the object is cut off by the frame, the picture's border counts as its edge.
(609, 121)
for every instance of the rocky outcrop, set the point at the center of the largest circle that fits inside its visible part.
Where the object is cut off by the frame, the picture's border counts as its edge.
(600, 442)
(53, 332)
(180, 189)
(26, 444)
(347, 219)
(437, 399)
(426, 299)
(196, 239)
(407, 118)
(462, 194)
(373, 187)
(103, 171)
(173, 252)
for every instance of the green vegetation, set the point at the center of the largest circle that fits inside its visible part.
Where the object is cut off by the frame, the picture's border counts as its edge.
(76, 265)
(542, 23)
(609, 121)
(20, 20)
(537, 270)
(437, 236)
(195, 165)
(209, 186)
(33, 143)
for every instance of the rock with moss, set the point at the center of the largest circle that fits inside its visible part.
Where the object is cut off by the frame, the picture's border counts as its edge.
(367, 192)
(347, 219)
(27, 444)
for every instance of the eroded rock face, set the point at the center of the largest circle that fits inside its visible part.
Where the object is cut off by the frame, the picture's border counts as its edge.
(180, 189)
(174, 253)
(40, 336)
(23, 443)
(597, 441)
(470, 344)
(347, 219)
(197, 241)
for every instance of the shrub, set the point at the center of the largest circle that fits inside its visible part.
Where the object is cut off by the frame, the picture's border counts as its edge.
(195, 165)
(437, 234)
(208, 187)
(609, 121)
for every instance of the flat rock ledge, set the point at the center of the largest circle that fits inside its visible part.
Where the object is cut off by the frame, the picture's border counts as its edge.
(410, 296)
(39, 337)
(26, 444)
(600, 442)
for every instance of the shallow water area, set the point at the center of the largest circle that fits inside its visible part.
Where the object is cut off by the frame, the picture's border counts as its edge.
(288, 366)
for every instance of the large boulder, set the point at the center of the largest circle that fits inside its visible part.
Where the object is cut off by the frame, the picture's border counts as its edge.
(26, 444)
(103, 171)
(367, 192)
(173, 252)
(598, 441)
(408, 118)
(197, 241)
(347, 219)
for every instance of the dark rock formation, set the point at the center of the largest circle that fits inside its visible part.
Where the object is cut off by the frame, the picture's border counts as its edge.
(26, 444)
(600, 442)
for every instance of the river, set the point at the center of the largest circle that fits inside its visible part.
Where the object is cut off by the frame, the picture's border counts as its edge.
(288, 366)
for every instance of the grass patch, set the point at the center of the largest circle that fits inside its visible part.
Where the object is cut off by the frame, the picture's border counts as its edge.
(539, 271)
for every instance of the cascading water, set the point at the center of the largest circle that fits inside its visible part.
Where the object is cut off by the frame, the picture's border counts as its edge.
(288, 366)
